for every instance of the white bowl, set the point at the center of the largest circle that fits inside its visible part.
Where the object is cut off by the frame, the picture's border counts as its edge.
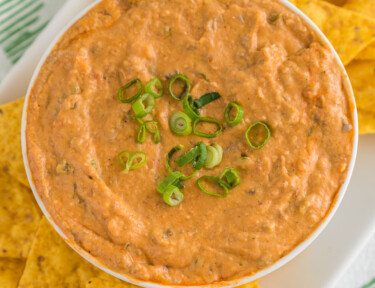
(243, 280)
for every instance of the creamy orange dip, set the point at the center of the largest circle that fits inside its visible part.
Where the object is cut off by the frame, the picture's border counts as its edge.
(255, 52)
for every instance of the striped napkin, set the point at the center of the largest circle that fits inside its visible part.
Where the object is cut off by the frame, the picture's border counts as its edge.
(20, 23)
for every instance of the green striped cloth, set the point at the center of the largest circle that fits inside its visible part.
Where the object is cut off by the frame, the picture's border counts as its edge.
(20, 23)
(370, 284)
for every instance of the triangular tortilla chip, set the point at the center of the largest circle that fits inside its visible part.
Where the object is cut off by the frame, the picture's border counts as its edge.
(10, 272)
(348, 31)
(52, 263)
(336, 2)
(366, 122)
(367, 54)
(19, 218)
(108, 283)
(366, 7)
(10, 140)
(362, 77)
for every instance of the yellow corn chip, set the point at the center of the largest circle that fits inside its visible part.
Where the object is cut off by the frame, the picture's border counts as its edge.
(348, 31)
(367, 54)
(366, 122)
(108, 283)
(19, 218)
(337, 2)
(362, 77)
(10, 140)
(366, 7)
(52, 263)
(10, 272)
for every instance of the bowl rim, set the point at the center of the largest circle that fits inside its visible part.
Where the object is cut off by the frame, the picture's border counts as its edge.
(230, 283)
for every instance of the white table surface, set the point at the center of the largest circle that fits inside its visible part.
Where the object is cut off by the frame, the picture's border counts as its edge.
(325, 261)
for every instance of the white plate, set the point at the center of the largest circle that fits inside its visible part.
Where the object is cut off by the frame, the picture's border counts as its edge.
(326, 259)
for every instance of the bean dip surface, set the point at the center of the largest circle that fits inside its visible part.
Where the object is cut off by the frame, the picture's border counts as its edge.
(257, 53)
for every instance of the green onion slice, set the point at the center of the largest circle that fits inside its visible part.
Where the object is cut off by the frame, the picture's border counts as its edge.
(206, 99)
(134, 160)
(180, 123)
(168, 159)
(126, 86)
(232, 177)
(173, 196)
(199, 161)
(188, 156)
(257, 139)
(208, 120)
(173, 178)
(153, 127)
(186, 88)
(214, 156)
(143, 105)
(189, 108)
(218, 181)
(156, 138)
(239, 115)
(155, 88)
(141, 137)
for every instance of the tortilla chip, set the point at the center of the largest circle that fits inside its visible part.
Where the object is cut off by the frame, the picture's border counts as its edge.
(336, 2)
(366, 7)
(348, 31)
(52, 263)
(366, 122)
(10, 272)
(367, 54)
(10, 140)
(108, 283)
(19, 218)
(362, 77)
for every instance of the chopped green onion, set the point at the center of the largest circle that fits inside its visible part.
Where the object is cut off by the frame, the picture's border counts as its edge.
(199, 161)
(150, 126)
(179, 184)
(186, 88)
(232, 177)
(180, 123)
(168, 159)
(156, 138)
(141, 137)
(155, 83)
(189, 108)
(143, 105)
(206, 99)
(126, 86)
(170, 154)
(153, 128)
(261, 139)
(121, 161)
(139, 159)
(188, 156)
(239, 115)
(214, 156)
(173, 196)
(207, 120)
(170, 180)
(218, 181)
